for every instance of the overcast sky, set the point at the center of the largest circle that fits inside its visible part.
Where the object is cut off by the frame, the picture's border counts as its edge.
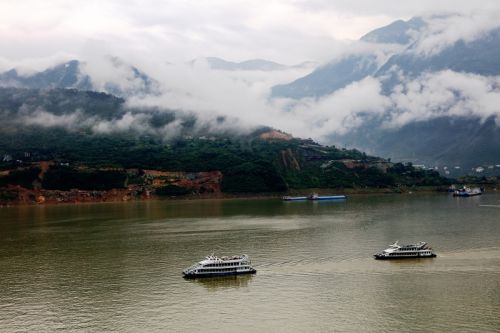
(288, 31)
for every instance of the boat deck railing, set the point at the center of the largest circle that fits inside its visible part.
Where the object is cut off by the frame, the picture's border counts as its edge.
(226, 258)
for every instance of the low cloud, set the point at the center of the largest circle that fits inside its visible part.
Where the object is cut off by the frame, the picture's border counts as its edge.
(241, 97)
(41, 117)
(429, 96)
(338, 113)
(127, 122)
(239, 101)
(445, 93)
(444, 30)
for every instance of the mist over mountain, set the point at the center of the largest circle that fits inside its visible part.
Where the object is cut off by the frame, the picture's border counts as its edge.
(329, 78)
(94, 113)
(398, 32)
(248, 65)
(254, 64)
(373, 94)
(122, 80)
(478, 56)
(456, 144)
(65, 75)
(438, 94)
(353, 67)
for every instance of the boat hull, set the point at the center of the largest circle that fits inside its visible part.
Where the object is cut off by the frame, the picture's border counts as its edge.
(465, 194)
(328, 197)
(316, 198)
(220, 274)
(381, 257)
(295, 198)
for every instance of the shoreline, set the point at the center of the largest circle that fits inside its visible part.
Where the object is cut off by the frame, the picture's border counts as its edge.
(120, 198)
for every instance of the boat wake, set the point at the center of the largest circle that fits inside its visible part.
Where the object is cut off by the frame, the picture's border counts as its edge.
(494, 206)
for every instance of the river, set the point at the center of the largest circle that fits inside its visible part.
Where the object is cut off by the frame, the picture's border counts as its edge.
(117, 267)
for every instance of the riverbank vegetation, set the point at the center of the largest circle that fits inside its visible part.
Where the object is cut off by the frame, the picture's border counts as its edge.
(247, 164)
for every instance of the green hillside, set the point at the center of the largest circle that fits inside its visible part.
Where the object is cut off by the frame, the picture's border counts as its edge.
(250, 162)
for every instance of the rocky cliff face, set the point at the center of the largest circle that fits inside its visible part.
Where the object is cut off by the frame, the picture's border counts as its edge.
(14, 195)
(145, 184)
(197, 182)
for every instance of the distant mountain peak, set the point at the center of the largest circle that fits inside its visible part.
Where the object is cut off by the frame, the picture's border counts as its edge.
(247, 65)
(73, 74)
(477, 56)
(398, 32)
(64, 75)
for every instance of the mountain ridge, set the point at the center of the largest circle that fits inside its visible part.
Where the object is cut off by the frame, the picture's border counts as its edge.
(72, 75)
(248, 65)
(409, 77)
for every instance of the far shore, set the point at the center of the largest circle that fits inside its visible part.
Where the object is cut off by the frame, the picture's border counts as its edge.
(252, 196)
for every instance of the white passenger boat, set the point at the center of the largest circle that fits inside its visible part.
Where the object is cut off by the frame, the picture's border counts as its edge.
(213, 266)
(396, 251)
(468, 192)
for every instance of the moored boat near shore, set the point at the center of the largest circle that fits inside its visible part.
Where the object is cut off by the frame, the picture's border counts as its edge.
(396, 251)
(289, 198)
(213, 266)
(468, 192)
(315, 197)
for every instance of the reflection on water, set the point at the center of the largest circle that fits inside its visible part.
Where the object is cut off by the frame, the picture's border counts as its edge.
(117, 267)
(223, 282)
